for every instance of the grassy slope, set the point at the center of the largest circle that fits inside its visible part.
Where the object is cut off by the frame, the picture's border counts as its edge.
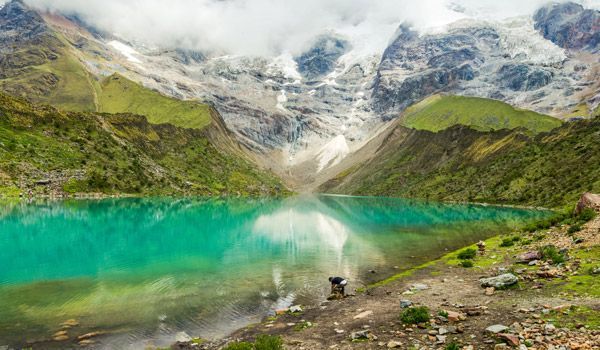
(46, 72)
(461, 164)
(119, 153)
(119, 94)
(440, 112)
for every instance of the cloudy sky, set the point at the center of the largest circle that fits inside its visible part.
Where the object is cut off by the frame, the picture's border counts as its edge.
(271, 27)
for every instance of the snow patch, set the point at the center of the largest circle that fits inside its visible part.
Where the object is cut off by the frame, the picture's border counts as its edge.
(520, 40)
(125, 50)
(333, 152)
(287, 66)
(281, 99)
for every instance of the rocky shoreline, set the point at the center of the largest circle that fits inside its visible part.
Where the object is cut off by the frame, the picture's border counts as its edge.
(527, 290)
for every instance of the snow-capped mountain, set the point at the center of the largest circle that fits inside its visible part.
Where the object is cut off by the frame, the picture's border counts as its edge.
(303, 113)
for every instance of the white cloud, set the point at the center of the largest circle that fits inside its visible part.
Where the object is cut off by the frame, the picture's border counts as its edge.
(272, 27)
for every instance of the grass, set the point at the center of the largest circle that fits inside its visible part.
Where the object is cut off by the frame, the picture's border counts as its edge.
(414, 315)
(121, 153)
(468, 253)
(551, 253)
(466, 263)
(440, 112)
(120, 95)
(509, 241)
(452, 346)
(574, 228)
(460, 164)
(574, 317)
(262, 342)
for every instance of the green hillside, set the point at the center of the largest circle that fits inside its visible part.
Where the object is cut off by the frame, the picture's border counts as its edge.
(48, 151)
(118, 95)
(461, 164)
(440, 112)
(45, 71)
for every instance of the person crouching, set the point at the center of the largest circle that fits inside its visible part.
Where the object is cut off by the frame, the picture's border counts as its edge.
(338, 285)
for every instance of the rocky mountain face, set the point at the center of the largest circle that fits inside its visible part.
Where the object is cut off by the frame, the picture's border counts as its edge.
(303, 113)
(569, 26)
(507, 61)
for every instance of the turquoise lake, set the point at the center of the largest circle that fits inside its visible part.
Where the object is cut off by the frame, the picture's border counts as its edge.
(144, 270)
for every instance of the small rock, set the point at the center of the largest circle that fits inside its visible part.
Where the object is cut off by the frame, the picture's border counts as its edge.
(295, 308)
(182, 337)
(453, 316)
(419, 286)
(89, 335)
(392, 344)
(533, 262)
(362, 335)
(501, 347)
(70, 323)
(405, 303)
(549, 328)
(339, 331)
(490, 291)
(441, 339)
(86, 342)
(510, 339)
(363, 314)
(527, 257)
(500, 281)
(442, 331)
(497, 328)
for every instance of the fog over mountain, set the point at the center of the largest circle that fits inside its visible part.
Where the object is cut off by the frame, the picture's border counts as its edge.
(272, 27)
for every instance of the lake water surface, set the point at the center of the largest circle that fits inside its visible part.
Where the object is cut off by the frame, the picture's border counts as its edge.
(144, 270)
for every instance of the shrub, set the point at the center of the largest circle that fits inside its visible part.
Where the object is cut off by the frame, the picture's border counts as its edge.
(466, 254)
(466, 263)
(550, 252)
(510, 241)
(268, 342)
(574, 228)
(452, 346)
(443, 313)
(415, 315)
(586, 215)
(239, 346)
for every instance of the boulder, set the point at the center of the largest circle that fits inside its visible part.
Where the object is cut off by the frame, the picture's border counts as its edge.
(588, 200)
(501, 281)
(527, 257)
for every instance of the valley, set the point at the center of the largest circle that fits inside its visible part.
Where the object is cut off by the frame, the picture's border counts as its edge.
(187, 176)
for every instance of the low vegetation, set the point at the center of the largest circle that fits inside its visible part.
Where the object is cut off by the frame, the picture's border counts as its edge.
(119, 94)
(263, 342)
(439, 112)
(468, 253)
(551, 253)
(462, 164)
(414, 315)
(46, 151)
